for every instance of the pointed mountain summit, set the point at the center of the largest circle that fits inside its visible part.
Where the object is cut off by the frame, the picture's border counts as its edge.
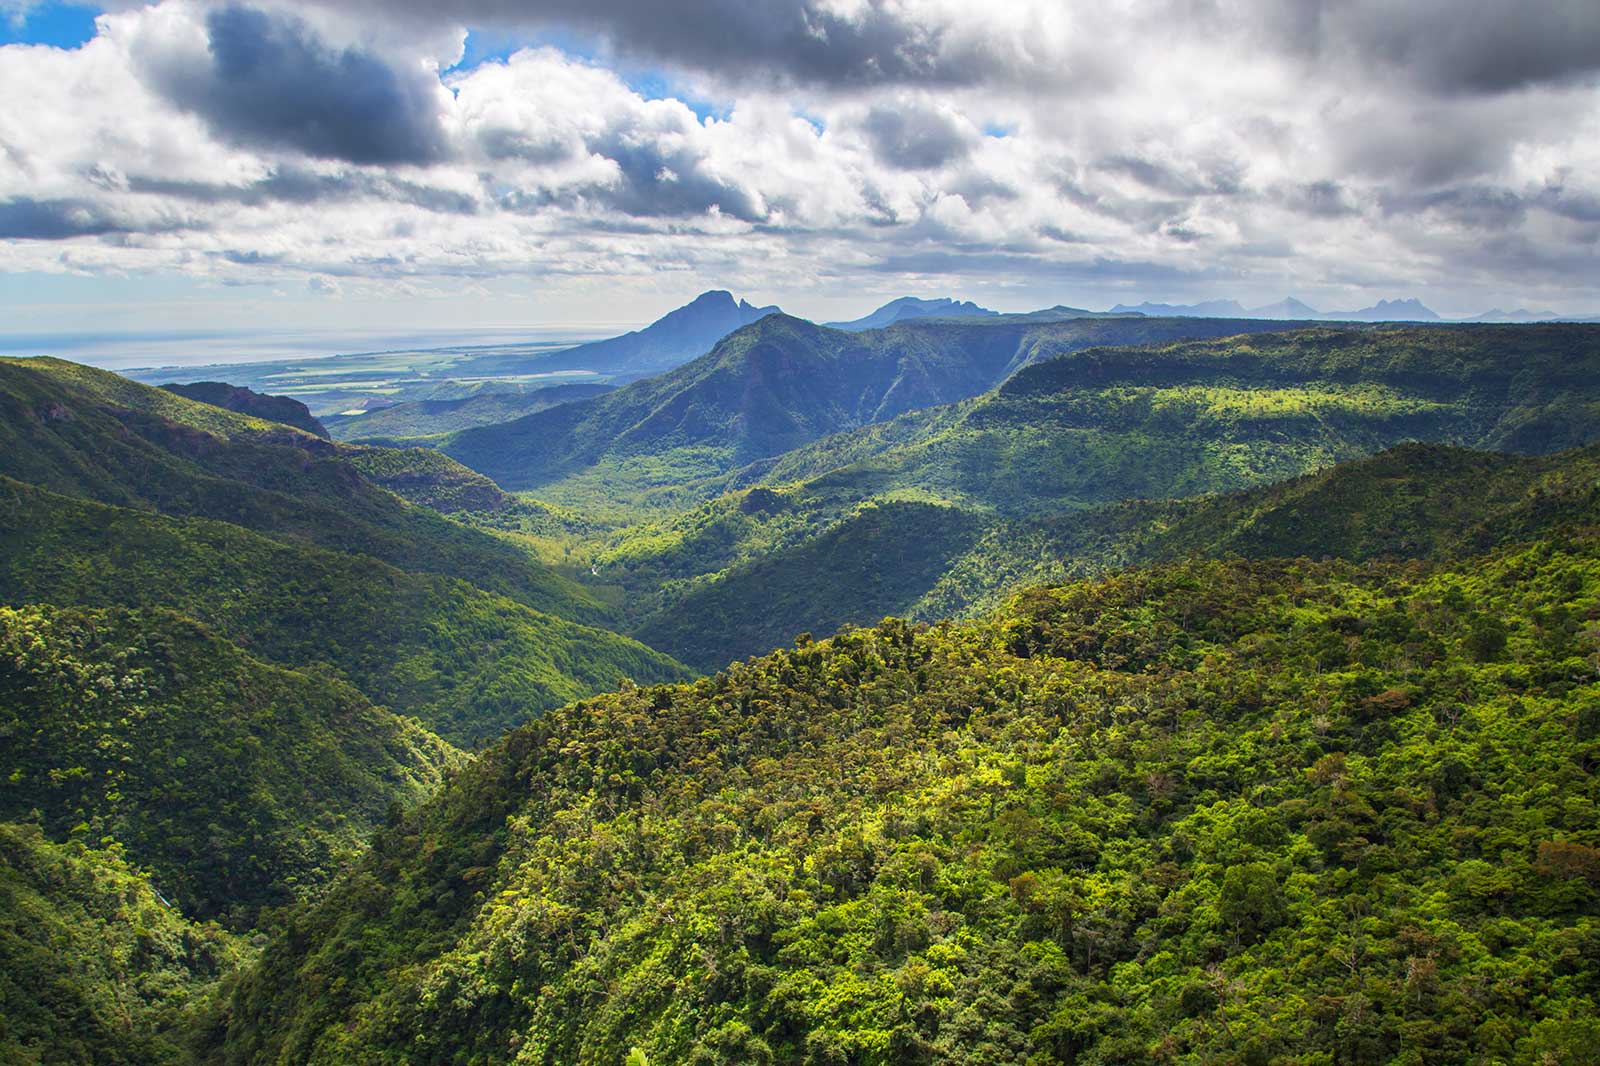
(1286, 308)
(912, 307)
(670, 341)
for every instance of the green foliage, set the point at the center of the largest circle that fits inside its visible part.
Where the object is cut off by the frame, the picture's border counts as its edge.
(94, 968)
(89, 433)
(466, 662)
(773, 386)
(247, 402)
(428, 478)
(1044, 465)
(1414, 501)
(876, 563)
(238, 785)
(1212, 811)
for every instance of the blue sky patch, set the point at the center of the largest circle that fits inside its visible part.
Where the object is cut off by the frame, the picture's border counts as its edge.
(57, 25)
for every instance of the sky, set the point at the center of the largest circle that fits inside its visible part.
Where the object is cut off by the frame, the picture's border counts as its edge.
(413, 165)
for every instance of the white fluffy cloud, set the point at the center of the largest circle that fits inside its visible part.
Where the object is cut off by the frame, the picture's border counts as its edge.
(1146, 149)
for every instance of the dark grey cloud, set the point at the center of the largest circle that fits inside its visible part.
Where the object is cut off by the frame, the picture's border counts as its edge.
(1448, 46)
(52, 220)
(272, 82)
(1570, 204)
(296, 185)
(763, 40)
(24, 218)
(914, 138)
(1321, 199)
(1475, 46)
(1153, 174)
(1473, 206)
(657, 181)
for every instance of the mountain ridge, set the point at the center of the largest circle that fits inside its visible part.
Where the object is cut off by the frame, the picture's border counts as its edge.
(782, 382)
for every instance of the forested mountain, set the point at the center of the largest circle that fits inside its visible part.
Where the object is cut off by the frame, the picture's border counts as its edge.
(775, 386)
(1213, 415)
(238, 785)
(89, 433)
(117, 494)
(944, 509)
(1213, 811)
(94, 967)
(928, 561)
(465, 661)
(289, 411)
(428, 418)
(1232, 804)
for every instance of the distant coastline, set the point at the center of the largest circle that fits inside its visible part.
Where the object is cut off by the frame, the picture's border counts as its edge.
(137, 350)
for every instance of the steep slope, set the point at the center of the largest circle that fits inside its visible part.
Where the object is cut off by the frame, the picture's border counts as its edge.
(289, 411)
(89, 433)
(94, 967)
(910, 307)
(1082, 433)
(428, 418)
(928, 561)
(669, 341)
(1413, 502)
(775, 386)
(237, 784)
(466, 662)
(1214, 811)
(1206, 416)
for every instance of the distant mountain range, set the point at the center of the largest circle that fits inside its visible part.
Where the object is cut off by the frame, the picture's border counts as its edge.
(1291, 309)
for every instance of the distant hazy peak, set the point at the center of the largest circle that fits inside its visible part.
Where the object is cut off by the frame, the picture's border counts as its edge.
(1205, 309)
(1406, 310)
(914, 307)
(1409, 309)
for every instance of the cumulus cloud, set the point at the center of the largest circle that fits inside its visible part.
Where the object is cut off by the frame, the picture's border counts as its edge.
(917, 138)
(266, 79)
(845, 43)
(1468, 48)
(1160, 148)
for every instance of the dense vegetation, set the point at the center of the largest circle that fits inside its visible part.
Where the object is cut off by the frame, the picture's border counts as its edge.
(238, 785)
(1043, 464)
(293, 547)
(94, 967)
(1239, 805)
(290, 412)
(1215, 811)
(466, 662)
(771, 387)
(1414, 501)
(88, 433)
